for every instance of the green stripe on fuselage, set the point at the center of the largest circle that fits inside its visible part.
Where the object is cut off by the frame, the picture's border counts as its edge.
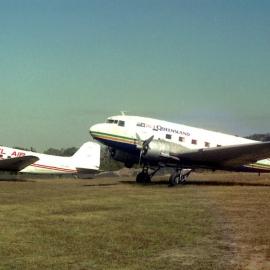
(112, 135)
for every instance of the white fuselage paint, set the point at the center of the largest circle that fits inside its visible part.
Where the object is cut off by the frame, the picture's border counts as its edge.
(186, 136)
(45, 164)
(86, 158)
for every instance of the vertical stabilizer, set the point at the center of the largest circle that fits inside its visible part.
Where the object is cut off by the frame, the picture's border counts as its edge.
(87, 157)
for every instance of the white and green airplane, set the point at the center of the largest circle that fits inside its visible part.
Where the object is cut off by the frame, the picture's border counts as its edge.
(156, 144)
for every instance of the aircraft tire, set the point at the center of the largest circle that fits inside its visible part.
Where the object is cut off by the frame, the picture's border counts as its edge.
(143, 178)
(174, 179)
(139, 177)
(147, 178)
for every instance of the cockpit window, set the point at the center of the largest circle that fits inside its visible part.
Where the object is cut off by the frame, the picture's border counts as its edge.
(121, 123)
(110, 121)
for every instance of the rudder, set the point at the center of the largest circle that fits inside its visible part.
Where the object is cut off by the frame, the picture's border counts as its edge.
(87, 157)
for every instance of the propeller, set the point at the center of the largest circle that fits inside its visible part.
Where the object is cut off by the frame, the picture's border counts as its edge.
(143, 145)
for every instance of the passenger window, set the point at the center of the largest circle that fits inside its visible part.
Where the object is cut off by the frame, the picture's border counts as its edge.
(207, 144)
(218, 145)
(194, 141)
(121, 123)
(181, 139)
(168, 136)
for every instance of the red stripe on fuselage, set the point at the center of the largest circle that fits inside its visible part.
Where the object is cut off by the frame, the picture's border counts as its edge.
(53, 168)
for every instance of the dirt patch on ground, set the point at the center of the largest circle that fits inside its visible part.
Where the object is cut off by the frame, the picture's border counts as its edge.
(246, 213)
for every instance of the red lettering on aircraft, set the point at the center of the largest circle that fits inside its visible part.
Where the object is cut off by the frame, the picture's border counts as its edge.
(17, 154)
(13, 154)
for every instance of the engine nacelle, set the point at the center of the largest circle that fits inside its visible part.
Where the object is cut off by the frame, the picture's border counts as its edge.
(156, 147)
(124, 157)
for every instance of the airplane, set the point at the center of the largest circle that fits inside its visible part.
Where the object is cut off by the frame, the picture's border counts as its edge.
(156, 144)
(85, 160)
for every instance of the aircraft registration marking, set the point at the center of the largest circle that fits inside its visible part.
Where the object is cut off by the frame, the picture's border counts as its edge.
(14, 153)
(161, 128)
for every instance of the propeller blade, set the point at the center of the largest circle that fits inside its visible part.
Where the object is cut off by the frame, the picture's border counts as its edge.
(139, 141)
(143, 145)
(148, 141)
(140, 157)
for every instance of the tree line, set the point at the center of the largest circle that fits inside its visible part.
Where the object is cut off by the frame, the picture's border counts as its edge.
(260, 137)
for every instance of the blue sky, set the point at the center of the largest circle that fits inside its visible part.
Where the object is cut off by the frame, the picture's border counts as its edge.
(65, 65)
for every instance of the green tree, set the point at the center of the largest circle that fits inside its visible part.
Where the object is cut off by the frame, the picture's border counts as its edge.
(25, 149)
(260, 137)
(107, 163)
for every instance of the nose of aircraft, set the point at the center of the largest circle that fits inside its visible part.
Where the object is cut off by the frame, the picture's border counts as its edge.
(95, 129)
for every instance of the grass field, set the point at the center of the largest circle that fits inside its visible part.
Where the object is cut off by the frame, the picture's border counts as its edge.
(216, 221)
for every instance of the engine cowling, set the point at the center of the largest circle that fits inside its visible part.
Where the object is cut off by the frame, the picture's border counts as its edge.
(157, 147)
(124, 157)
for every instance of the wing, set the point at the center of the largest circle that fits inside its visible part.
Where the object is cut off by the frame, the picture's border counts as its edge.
(226, 156)
(17, 164)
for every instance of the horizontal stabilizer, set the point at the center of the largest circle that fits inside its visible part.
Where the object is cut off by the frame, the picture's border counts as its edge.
(17, 164)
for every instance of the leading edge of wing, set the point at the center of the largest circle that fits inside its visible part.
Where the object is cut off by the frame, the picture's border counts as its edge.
(227, 156)
(17, 164)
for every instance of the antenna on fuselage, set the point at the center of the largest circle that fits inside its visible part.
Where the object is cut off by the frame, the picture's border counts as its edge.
(123, 112)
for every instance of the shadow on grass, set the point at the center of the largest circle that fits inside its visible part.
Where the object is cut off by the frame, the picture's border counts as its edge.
(200, 183)
(101, 185)
(16, 180)
(15, 177)
(154, 183)
(226, 183)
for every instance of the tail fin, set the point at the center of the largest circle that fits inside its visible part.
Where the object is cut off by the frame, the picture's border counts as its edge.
(87, 158)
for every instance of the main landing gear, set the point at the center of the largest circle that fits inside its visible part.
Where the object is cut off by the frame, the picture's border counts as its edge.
(144, 176)
(179, 177)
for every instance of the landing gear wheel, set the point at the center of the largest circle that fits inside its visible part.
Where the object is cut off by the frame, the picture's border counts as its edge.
(182, 180)
(147, 178)
(139, 177)
(174, 179)
(143, 177)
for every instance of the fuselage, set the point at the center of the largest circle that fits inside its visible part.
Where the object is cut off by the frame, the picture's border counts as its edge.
(121, 132)
(46, 164)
